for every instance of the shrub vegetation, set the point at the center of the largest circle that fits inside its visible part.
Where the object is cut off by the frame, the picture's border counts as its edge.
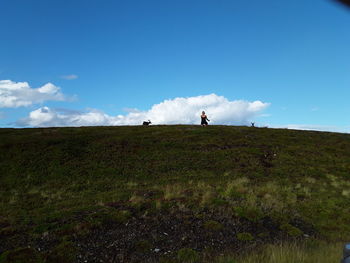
(62, 184)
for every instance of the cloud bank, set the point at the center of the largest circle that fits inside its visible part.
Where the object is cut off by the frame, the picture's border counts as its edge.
(20, 94)
(310, 127)
(174, 111)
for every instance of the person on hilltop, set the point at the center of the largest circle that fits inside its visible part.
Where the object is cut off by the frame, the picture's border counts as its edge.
(204, 119)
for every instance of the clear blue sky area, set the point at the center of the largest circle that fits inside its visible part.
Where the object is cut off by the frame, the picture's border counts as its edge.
(134, 54)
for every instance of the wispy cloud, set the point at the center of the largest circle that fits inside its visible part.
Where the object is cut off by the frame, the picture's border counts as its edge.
(312, 127)
(174, 111)
(69, 77)
(20, 94)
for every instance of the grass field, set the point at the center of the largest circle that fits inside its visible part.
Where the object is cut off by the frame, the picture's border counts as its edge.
(173, 194)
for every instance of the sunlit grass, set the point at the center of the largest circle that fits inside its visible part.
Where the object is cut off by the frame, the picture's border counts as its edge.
(291, 253)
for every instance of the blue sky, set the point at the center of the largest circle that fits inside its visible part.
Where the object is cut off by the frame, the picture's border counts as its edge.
(293, 56)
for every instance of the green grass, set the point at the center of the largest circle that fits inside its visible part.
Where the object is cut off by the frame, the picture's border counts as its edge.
(49, 176)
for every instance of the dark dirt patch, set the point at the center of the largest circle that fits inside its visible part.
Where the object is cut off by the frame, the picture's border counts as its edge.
(148, 235)
(147, 238)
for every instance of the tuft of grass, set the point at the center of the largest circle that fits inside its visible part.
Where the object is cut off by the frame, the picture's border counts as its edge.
(173, 192)
(251, 213)
(137, 199)
(291, 230)
(236, 188)
(245, 236)
(213, 225)
(187, 255)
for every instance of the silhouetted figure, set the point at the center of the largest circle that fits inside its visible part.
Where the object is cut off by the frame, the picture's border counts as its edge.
(204, 119)
(253, 123)
(146, 122)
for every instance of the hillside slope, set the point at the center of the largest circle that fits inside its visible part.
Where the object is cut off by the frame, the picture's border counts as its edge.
(168, 193)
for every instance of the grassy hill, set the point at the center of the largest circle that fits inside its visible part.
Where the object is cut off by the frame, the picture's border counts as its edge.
(172, 194)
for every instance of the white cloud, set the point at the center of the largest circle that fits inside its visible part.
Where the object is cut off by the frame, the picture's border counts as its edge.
(46, 117)
(20, 94)
(174, 111)
(311, 127)
(69, 77)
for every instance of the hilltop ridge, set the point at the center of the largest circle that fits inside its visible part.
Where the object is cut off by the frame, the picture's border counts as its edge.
(164, 193)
